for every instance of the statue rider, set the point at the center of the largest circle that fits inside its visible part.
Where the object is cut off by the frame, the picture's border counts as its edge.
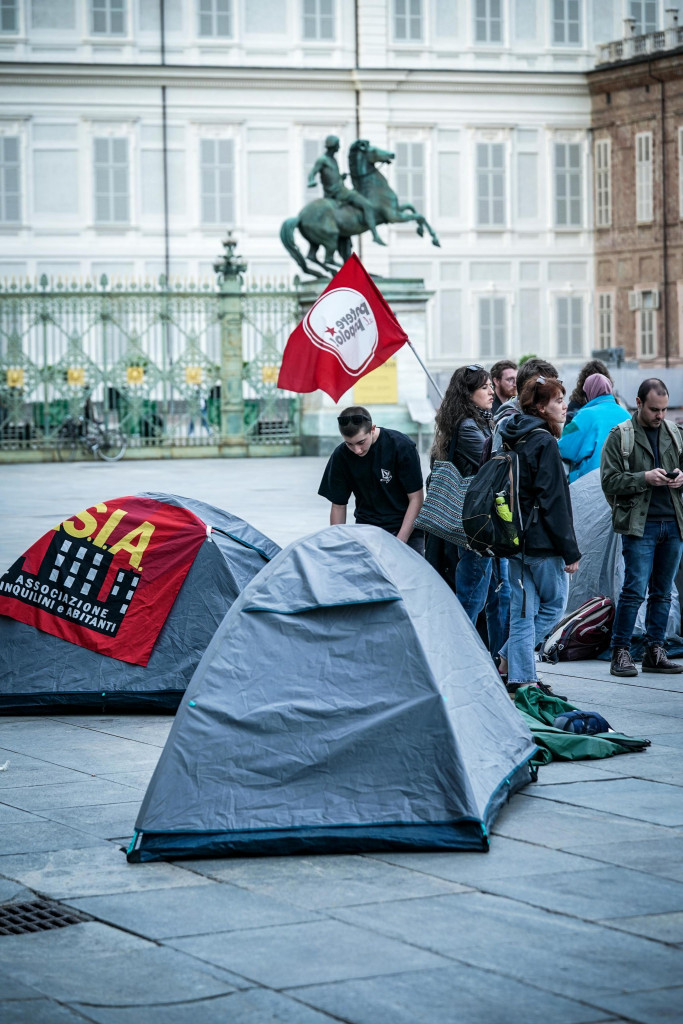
(332, 181)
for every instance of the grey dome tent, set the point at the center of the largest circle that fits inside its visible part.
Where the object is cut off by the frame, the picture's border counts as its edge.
(41, 672)
(601, 569)
(345, 704)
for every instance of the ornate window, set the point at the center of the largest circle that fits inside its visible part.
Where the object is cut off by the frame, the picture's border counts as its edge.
(108, 17)
(112, 181)
(410, 173)
(492, 327)
(568, 185)
(318, 20)
(644, 177)
(490, 184)
(408, 21)
(566, 23)
(488, 21)
(603, 183)
(215, 19)
(217, 168)
(10, 180)
(569, 311)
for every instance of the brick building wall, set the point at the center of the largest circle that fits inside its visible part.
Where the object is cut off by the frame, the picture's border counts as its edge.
(638, 250)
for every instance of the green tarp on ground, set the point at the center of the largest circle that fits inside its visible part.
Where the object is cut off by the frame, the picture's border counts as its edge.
(539, 711)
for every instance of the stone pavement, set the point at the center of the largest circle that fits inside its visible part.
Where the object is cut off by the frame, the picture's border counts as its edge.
(574, 917)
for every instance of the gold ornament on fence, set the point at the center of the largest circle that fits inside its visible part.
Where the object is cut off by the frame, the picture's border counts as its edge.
(194, 376)
(269, 374)
(75, 377)
(135, 376)
(15, 377)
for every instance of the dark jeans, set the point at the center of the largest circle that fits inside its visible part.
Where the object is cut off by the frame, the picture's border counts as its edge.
(472, 575)
(650, 565)
(498, 605)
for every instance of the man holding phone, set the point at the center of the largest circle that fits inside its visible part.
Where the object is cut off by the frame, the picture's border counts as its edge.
(641, 475)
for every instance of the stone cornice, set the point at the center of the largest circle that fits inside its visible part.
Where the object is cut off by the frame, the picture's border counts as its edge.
(326, 79)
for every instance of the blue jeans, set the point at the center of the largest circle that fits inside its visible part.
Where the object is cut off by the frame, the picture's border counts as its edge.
(545, 583)
(650, 563)
(472, 575)
(498, 605)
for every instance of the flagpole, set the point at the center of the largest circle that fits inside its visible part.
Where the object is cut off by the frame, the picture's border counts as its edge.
(429, 376)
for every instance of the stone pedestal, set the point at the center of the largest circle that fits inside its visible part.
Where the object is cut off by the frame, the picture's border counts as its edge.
(408, 299)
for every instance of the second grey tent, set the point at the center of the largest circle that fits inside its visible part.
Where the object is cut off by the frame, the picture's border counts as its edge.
(42, 672)
(601, 569)
(346, 703)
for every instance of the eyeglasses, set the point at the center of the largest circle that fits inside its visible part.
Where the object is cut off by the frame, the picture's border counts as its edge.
(474, 367)
(354, 418)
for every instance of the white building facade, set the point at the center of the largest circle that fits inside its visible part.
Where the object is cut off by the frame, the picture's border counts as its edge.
(135, 132)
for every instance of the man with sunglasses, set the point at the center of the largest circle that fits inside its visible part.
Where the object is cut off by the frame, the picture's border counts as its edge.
(381, 468)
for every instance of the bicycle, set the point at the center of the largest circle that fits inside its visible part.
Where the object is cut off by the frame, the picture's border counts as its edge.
(82, 435)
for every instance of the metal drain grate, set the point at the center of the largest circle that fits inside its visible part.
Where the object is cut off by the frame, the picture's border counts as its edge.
(36, 916)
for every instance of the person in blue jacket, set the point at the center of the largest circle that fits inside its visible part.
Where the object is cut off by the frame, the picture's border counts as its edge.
(582, 439)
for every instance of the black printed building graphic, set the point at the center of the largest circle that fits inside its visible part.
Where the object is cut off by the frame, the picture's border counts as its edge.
(69, 584)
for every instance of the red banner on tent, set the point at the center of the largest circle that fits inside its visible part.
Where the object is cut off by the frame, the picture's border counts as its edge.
(348, 332)
(107, 577)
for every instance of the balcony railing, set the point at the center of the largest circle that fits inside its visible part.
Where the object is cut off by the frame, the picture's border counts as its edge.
(639, 46)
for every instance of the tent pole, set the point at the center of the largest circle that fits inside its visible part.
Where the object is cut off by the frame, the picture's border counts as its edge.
(429, 376)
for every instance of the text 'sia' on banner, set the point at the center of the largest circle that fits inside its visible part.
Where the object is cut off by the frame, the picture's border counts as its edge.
(107, 577)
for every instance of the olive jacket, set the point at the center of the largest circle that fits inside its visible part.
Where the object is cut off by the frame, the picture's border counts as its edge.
(623, 478)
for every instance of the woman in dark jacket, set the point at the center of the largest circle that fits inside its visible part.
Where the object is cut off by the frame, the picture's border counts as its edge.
(550, 551)
(463, 423)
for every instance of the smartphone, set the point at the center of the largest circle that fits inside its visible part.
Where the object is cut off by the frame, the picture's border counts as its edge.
(672, 475)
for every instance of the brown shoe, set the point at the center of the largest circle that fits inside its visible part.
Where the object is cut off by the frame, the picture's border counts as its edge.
(655, 660)
(622, 663)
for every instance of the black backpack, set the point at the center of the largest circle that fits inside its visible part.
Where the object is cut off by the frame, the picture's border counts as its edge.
(491, 513)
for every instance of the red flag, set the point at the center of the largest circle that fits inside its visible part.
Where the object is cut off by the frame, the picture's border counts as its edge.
(84, 580)
(347, 333)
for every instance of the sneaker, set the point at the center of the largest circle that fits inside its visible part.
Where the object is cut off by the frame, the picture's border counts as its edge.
(655, 660)
(622, 663)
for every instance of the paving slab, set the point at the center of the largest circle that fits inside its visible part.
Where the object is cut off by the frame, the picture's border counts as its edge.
(12, 892)
(96, 871)
(39, 835)
(658, 802)
(443, 996)
(104, 820)
(325, 881)
(662, 1006)
(253, 1006)
(306, 954)
(570, 957)
(662, 856)
(664, 927)
(38, 1011)
(153, 975)
(607, 892)
(70, 794)
(191, 910)
(506, 858)
(565, 827)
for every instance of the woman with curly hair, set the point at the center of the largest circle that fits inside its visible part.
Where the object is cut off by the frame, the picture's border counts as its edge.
(539, 578)
(463, 424)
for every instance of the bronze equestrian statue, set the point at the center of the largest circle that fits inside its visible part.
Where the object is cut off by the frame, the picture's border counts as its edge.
(332, 221)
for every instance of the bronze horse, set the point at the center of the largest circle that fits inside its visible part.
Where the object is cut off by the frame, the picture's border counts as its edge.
(332, 225)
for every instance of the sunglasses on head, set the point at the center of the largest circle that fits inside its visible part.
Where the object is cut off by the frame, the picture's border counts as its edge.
(542, 380)
(474, 367)
(353, 418)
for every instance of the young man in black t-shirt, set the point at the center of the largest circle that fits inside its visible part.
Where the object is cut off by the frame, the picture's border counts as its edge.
(381, 468)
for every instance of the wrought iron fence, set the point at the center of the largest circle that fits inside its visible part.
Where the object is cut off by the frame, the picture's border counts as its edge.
(172, 366)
